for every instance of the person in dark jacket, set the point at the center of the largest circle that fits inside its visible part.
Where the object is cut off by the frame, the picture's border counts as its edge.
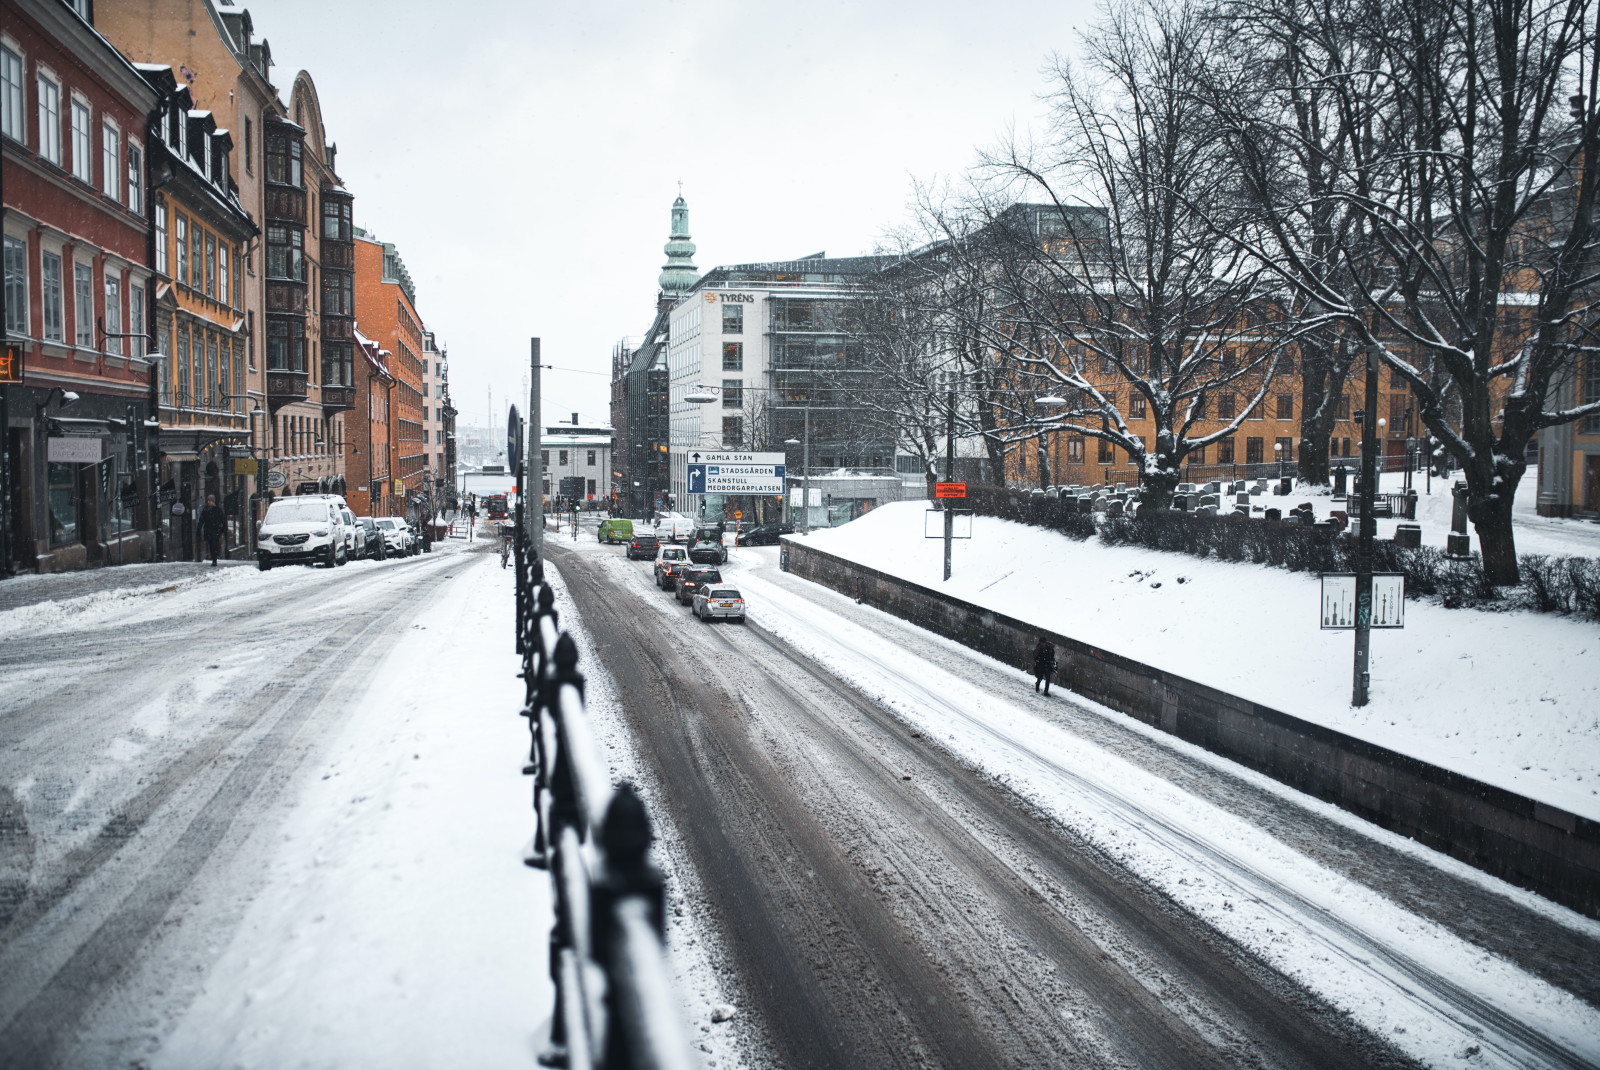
(1044, 663)
(213, 521)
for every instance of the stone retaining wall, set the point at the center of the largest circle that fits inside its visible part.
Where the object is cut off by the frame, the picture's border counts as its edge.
(1539, 847)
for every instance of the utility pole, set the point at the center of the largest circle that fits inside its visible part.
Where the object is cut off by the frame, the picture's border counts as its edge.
(533, 471)
(949, 474)
(1368, 531)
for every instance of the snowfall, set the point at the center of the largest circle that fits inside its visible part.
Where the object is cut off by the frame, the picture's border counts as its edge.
(1510, 698)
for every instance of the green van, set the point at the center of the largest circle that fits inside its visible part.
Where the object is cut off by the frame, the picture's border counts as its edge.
(615, 531)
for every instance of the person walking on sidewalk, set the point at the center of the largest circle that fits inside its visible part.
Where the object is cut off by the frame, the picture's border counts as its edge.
(1044, 663)
(213, 521)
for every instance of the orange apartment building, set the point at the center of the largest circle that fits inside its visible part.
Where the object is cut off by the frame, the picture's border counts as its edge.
(386, 313)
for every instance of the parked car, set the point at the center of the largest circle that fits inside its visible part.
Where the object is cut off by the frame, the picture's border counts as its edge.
(671, 560)
(370, 542)
(615, 531)
(396, 534)
(707, 549)
(643, 547)
(308, 529)
(673, 527)
(711, 603)
(691, 578)
(763, 534)
(352, 549)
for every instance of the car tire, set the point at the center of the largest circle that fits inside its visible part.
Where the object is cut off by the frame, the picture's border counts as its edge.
(332, 560)
(343, 558)
(264, 563)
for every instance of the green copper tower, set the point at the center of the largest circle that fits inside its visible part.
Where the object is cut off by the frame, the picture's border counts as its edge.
(679, 273)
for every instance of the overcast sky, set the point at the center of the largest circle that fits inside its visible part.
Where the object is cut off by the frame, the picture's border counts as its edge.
(524, 156)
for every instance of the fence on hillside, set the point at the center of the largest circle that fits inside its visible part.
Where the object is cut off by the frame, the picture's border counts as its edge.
(615, 1007)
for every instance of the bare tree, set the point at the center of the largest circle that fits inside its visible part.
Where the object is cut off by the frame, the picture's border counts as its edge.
(1458, 164)
(1109, 272)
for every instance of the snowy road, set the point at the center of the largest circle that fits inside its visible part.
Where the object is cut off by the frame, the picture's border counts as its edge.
(147, 735)
(916, 861)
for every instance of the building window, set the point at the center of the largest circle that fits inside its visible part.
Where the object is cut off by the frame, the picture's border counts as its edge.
(338, 368)
(183, 365)
(733, 431)
(338, 293)
(1197, 455)
(1136, 406)
(732, 393)
(1225, 451)
(1074, 451)
(238, 280)
(591, 488)
(83, 303)
(82, 149)
(214, 374)
(113, 313)
(136, 324)
(135, 178)
(222, 274)
(1107, 453)
(53, 329)
(161, 236)
(1285, 406)
(285, 252)
(211, 265)
(1227, 405)
(733, 356)
(49, 120)
(1591, 392)
(197, 256)
(732, 319)
(180, 227)
(110, 157)
(286, 346)
(1283, 450)
(283, 160)
(562, 455)
(16, 287)
(224, 373)
(244, 149)
(1252, 451)
(11, 124)
(591, 465)
(544, 459)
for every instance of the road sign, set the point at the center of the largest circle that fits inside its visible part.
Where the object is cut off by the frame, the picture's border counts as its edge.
(514, 456)
(949, 490)
(1339, 607)
(276, 479)
(738, 514)
(738, 476)
(933, 524)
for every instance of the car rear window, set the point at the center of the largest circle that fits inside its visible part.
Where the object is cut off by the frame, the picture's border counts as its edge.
(726, 592)
(710, 577)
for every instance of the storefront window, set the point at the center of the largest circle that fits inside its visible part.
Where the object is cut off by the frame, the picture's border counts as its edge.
(63, 479)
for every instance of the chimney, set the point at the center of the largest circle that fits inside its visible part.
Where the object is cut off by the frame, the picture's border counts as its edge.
(574, 419)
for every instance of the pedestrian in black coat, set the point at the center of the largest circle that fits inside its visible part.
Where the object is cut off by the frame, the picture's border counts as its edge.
(1044, 663)
(213, 522)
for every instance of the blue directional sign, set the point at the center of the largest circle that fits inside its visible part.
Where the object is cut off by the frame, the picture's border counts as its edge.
(697, 479)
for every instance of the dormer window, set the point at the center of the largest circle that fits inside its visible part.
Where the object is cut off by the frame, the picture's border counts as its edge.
(180, 123)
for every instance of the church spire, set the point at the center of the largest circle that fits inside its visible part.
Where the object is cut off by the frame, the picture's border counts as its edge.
(679, 272)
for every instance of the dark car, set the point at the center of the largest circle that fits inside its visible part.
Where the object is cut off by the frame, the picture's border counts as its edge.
(764, 534)
(690, 579)
(667, 565)
(369, 539)
(643, 547)
(706, 548)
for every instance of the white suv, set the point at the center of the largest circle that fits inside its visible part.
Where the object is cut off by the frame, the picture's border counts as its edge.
(308, 529)
(397, 536)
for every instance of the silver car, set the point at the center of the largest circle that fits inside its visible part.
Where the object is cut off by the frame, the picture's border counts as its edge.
(713, 602)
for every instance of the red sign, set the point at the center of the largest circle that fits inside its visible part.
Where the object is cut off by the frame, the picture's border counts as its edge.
(11, 364)
(949, 490)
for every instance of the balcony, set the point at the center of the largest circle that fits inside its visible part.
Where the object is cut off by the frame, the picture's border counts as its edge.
(286, 204)
(285, 387)
(339, 255)
(286, 295)
(337, 399)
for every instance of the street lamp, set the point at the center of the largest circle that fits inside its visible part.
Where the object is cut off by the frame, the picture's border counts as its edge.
(805, 477)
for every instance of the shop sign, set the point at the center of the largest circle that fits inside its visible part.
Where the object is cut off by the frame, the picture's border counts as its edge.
(276, 479)
(246, 466)
(11, 364)
(73, 449)
(400, 486)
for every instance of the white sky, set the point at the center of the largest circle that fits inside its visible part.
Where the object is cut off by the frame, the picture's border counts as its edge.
(524, 156)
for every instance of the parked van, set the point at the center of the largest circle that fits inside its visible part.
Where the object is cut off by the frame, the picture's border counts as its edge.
(309, 528)
(614, 531)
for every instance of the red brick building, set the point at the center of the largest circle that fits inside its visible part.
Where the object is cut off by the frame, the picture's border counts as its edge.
(386, 313)
(73, 112)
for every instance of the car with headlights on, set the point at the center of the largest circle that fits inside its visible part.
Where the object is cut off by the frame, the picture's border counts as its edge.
(718, 603)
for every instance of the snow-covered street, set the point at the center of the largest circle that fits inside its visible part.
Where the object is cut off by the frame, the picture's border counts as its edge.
(268, 820)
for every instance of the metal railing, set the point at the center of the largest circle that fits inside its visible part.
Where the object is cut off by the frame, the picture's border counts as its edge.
(615, 1007)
